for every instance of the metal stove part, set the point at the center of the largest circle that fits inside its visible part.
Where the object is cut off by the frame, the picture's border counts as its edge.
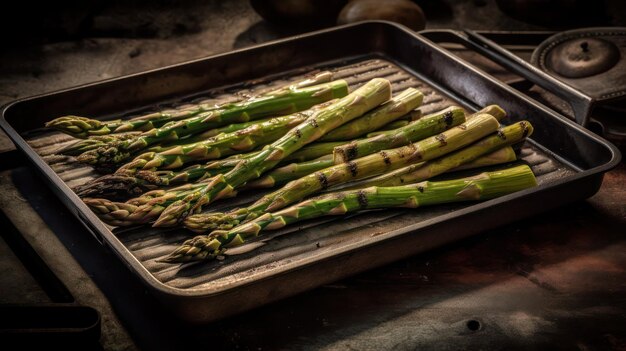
(582, 58)
(592, 60)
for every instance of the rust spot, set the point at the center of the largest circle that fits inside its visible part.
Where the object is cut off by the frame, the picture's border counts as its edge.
(353, 168)
(442, 139)
(448, 118)
(525, 128)
(362, 198)
(321, 177)
(313, 122)
(298, 133)
(420, 189)
(385, 157)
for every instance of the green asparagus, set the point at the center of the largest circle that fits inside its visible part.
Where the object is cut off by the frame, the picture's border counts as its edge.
(289, 101)
(484, 186)
(393, 109)
(81, 127)
(425, 170)
(371, 165)
(420, 129)
(346, 109)
(221, 145)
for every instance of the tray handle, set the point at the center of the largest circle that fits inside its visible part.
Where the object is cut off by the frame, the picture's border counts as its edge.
(581, 104)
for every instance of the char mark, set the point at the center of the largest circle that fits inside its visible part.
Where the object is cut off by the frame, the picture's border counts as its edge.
(385, 157)
(321, 177)
(442, 139)
(351, 151)
(501, 134)
(448, 118)
(353, 168)
(362, 198)
(525, 128)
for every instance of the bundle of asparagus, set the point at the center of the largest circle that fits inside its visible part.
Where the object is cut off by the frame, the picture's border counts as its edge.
(483, 186)
(81, 127)
(302, 139)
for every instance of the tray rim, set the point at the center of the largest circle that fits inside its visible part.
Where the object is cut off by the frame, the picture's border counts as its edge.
(91, 222)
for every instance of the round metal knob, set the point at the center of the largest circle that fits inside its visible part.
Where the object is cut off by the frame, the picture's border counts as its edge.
(583, 57)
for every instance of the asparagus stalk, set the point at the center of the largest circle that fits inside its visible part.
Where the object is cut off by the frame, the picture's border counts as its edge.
(393, 109)
(504, 155)
(93, 142)
(122, 185)
(221, 145)
(371, 165)
(484, 186)
(81, 127)
(139, 210)
(292, 171)
(425, 170)
(286, 102)
(307, 153)
(420, 129)
(346, 109)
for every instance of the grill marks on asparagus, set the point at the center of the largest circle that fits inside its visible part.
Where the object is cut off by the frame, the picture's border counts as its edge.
(484, 186)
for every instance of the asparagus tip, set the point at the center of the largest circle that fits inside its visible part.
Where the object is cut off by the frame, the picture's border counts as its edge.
(77, 126)
(173, 214)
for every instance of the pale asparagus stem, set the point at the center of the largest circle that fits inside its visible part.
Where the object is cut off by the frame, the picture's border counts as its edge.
(307, 153)
(425, 170)
(346, 109)
(292, 171)
(81, 127)
(417, 130)
(500, 156)
(483, 186)
(286, 102)
(221, 145)
(391, 110)
(371, 165)
(494, 110)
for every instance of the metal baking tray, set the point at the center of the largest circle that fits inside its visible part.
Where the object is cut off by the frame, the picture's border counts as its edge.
(568, 160)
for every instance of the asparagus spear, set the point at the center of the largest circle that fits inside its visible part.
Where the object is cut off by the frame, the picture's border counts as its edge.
(122, 185)
(139, 210)
(81, 127)
(289, 101)
(371, 165)
(393, 109)
(292, 171)
(221, 145)
(484, 186)
(93, 142)
(504, 155)
(346, 109)
(425, 170)
(420, 129)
